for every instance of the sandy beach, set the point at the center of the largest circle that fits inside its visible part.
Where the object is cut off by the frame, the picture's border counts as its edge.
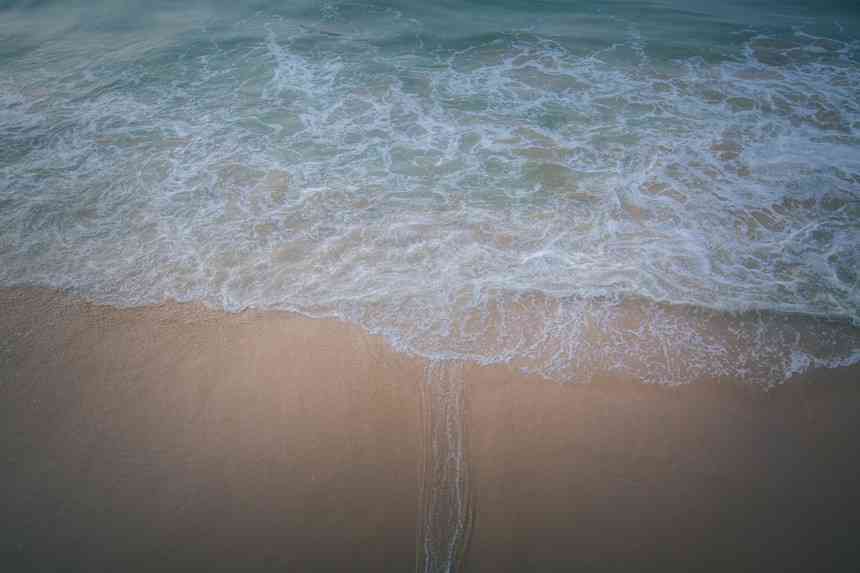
(431, 287)
(177, 438)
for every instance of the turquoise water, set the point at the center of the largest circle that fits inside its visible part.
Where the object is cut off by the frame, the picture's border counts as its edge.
(669, 189)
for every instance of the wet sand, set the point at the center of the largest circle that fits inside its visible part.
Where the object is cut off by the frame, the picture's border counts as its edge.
(176, 438)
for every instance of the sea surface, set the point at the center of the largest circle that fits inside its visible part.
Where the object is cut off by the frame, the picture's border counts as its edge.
(667, 190)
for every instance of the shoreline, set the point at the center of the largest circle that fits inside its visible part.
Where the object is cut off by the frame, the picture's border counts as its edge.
(173, 437)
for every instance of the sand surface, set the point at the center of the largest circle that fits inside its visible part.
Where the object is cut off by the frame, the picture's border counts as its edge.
(176, 438)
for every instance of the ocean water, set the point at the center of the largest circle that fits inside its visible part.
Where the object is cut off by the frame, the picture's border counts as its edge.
(669, 190)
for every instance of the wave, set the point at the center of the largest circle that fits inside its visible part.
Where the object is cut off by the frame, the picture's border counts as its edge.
(516, 196)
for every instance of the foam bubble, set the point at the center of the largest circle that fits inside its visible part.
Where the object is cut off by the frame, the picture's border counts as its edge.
(499, 198)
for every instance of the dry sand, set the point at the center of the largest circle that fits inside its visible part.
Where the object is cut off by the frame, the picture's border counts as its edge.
(176, 438)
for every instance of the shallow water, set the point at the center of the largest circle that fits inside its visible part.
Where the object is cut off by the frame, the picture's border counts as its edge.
(669, 190)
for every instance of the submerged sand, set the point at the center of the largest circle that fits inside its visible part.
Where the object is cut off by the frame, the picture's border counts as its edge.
(178, 438)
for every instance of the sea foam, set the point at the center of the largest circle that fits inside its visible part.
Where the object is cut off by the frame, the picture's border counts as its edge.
(562, 203)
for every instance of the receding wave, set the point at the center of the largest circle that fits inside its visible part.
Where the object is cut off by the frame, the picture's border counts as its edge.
(565, 202)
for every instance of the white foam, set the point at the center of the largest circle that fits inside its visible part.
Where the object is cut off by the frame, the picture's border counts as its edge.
(498, 203)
